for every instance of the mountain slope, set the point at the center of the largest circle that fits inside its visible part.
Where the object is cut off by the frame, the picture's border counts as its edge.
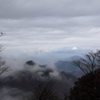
(27, 79)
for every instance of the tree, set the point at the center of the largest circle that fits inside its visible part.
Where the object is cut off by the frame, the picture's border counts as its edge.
(65, 96)
(43, 91)
(88, 86)
(89, 62)
(3, 68)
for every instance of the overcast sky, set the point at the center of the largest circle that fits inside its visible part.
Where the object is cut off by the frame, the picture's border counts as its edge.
(50, 25)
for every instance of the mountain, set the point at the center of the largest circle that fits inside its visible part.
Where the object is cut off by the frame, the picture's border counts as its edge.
(78, 74)
(26, 80)
(69, 67)
(30, 62)
(66, 66)
(73, 58)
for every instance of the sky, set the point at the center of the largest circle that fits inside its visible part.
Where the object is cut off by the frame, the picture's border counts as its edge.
(49, 25)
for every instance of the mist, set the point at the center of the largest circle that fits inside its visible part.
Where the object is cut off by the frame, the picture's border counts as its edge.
(23, 73)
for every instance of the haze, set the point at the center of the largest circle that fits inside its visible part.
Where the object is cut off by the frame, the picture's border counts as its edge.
(38, 26)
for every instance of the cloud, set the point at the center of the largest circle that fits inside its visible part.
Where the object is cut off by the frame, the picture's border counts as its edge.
(35, 8)
(47, 25)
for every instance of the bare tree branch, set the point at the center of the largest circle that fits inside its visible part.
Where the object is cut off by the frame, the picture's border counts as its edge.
(89, 62)
(3, 68)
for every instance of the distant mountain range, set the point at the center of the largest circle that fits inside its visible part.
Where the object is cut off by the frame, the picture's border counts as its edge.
(73, 58)
(68, 66)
